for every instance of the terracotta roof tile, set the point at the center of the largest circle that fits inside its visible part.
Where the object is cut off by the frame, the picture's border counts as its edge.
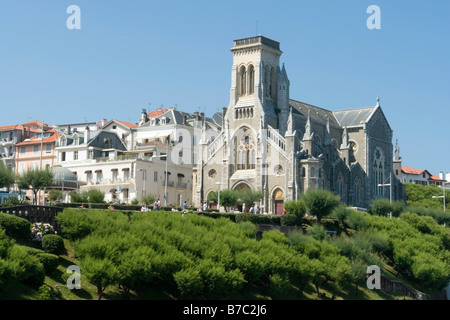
(12, 127)
(129, 125)
(157, 112)
(35, 140)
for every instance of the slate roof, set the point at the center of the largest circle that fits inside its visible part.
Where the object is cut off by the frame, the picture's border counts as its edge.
(354, 117)
(316, 113)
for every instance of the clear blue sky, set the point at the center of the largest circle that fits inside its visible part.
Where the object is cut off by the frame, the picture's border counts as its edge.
(132, 53)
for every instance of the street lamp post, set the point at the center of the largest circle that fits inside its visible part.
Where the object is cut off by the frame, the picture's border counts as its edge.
(218, 195)
(434, 197)
(390, 190)
(165, 187)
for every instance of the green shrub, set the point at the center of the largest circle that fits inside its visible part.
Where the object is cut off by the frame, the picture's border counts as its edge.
(189, 282)
(15, 227)
(82, 197)
(96, 196)
(26, 267)
(357, 221)
(317, 232)
(319, 202)
(49, 261)
(296, 207)
(341, 213)
(248, 228)
(278, 286)
(382, 207)
(275, 236)
(52, 243)
(45, 292)
(290, 220)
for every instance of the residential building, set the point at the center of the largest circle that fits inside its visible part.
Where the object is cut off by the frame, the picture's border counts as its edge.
(423, 177)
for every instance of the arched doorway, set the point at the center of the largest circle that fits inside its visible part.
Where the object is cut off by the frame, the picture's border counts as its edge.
(277, 201)
(240, 187)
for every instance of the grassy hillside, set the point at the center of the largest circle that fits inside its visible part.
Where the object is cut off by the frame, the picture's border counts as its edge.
(167, 255)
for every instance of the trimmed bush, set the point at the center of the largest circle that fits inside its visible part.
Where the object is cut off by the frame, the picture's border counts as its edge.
(290, 220)
(49, 261)
(52, 243)
(15, 227)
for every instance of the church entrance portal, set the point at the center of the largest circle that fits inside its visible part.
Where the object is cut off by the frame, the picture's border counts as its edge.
(239, 188)
(278, 201)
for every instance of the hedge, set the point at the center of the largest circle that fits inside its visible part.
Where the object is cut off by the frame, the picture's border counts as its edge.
(15, 227)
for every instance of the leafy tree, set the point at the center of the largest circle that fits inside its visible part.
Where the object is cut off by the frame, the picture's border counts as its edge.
(6, 176)
(96, 196)
(317, 232)
(54, 195)
(228, 198)
(249, 197)
(100, 272)
(213, 197)
(320, 203)
(35, 180)
(148, 199)
(296, 207)
(341, 213)
(420, 195)
(382, 207)
(82, 197)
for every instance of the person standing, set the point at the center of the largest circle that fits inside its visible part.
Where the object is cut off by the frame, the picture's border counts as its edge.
(205, 206)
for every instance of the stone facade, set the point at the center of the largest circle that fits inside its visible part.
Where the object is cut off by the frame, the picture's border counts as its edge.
(285, 147)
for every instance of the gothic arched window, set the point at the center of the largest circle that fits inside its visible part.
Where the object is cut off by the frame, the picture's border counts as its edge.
(273, 83)
(242, 82)
(251, 79)
(378, 172)
(357, 192)
(340, 184)
(245, 150)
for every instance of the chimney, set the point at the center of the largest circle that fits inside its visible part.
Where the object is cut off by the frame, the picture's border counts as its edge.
(68, 129)
(87, 134)
(202, 115)
(144, 117)
(197, 117)
(184, 119)
(441, 175)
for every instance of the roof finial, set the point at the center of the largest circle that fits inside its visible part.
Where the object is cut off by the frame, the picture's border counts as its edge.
(378, 101)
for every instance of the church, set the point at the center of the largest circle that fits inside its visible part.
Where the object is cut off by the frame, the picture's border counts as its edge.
(284, 147)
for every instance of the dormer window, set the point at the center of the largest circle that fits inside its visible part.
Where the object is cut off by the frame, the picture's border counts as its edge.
(152, 122)
(76, 140)
(63, 141)
(164, 120)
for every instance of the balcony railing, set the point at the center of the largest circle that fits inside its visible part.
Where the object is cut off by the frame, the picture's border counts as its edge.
(169, 183)
(110, 181)
(182, 185)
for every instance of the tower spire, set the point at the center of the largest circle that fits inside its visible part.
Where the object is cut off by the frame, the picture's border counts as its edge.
(328, 136)
(397, 151)
(290, 122)
(345, 144)
(308, 131)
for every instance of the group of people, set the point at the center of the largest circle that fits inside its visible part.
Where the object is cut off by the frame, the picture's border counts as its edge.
(202, 207)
